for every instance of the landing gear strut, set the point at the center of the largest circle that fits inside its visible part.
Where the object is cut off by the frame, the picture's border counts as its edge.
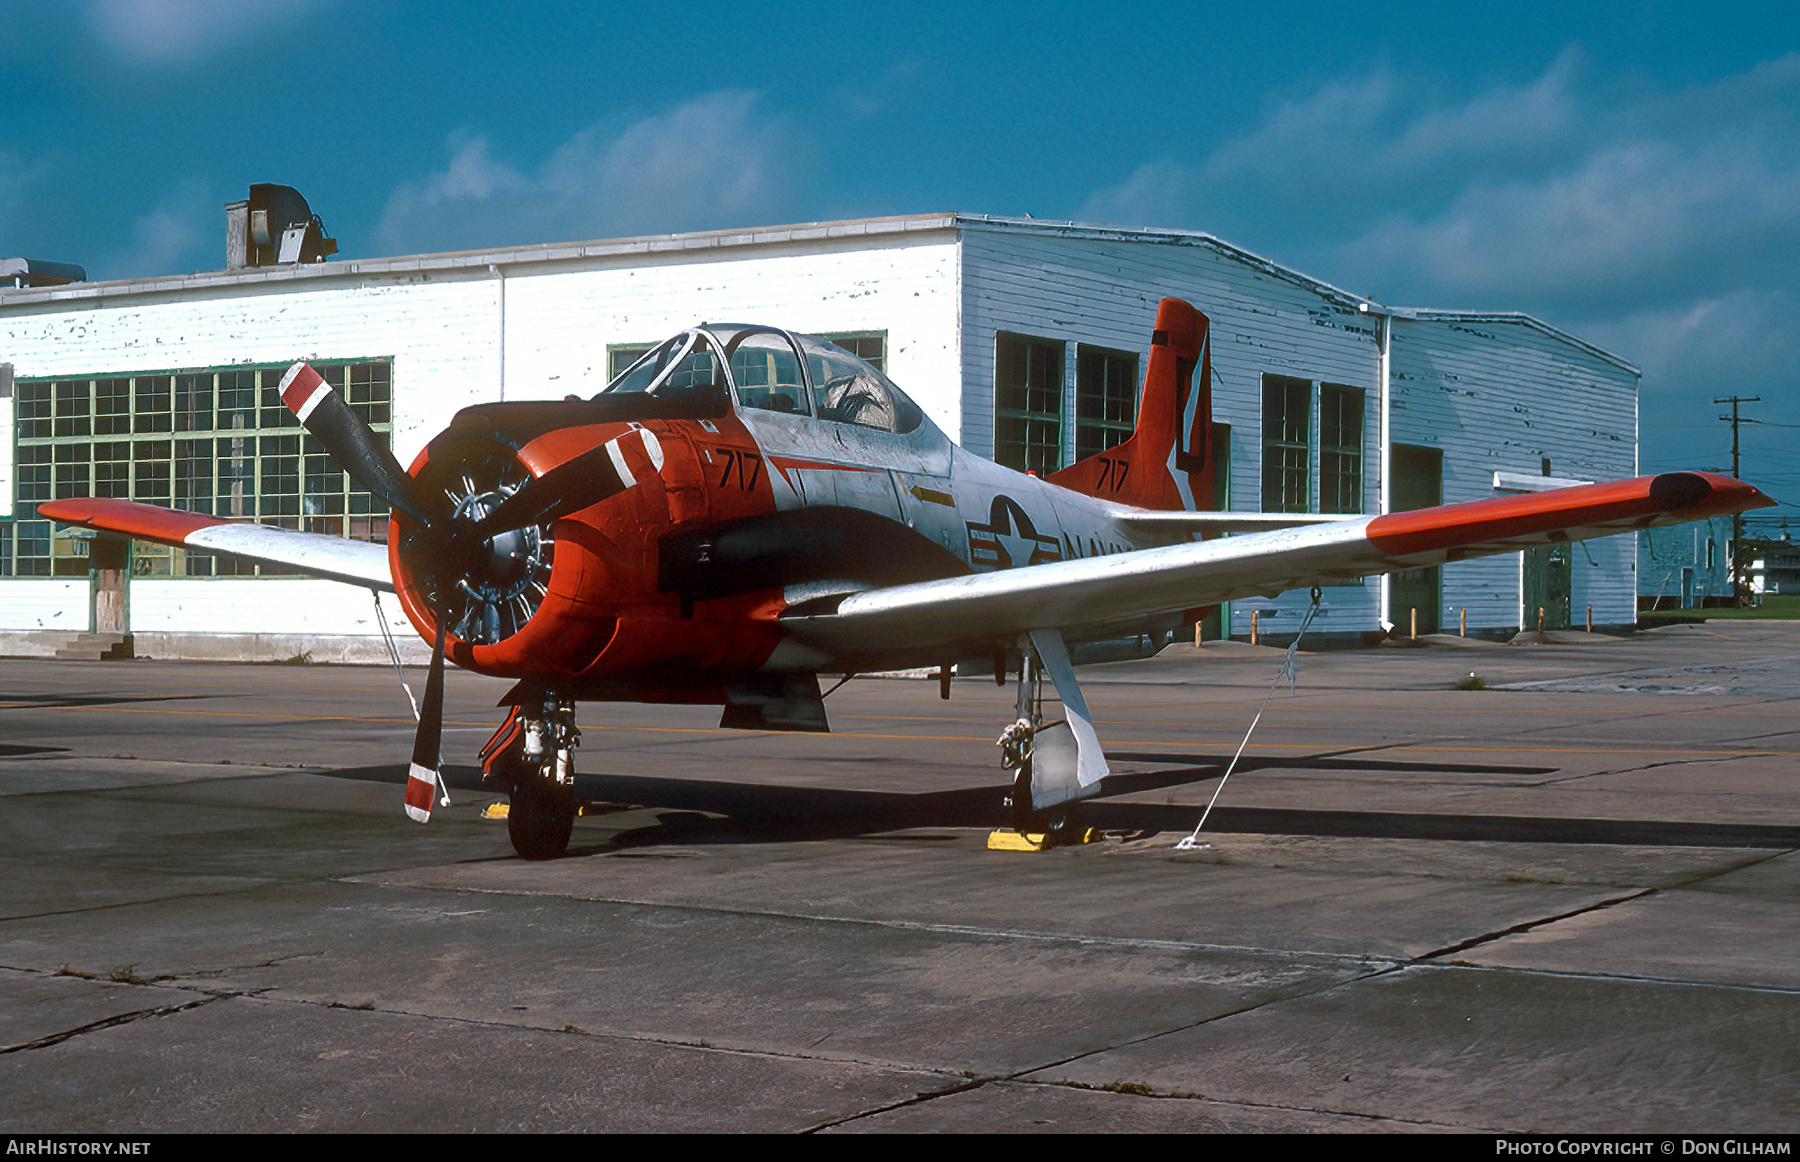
(535, 756)
(1026, 827)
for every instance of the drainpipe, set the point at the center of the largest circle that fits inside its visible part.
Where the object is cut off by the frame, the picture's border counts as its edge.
(500, 323)
(1383, 372)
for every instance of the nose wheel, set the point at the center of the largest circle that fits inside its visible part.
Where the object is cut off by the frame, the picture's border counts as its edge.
(540, 818)
(533, 754)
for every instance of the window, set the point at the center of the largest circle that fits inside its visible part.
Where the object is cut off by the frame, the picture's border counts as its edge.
(1340, 448)
(869, 346)
(1287, 447)
(1028, 393)
(1106, 384)
(218, 442)
(619, 356)
(1288, 432)
(766, 369)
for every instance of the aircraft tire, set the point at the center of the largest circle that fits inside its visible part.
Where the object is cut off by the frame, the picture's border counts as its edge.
(540, 819)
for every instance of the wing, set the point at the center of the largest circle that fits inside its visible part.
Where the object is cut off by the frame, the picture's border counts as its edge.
(1159, 523)
(963, 616)
(353, 562)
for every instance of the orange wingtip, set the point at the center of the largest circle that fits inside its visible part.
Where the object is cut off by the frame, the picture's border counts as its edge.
(1682, 496)
(124, 516)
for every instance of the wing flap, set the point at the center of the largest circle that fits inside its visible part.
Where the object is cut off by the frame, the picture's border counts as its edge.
(1163, 523)
(335, 558)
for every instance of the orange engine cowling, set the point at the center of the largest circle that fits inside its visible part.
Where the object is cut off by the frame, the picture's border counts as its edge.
(576, 604)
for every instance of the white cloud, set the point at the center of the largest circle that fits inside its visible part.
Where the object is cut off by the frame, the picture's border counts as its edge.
(710, 162)
(1661, 225)
(1534, 196)
(1157, 194)
(171, 31)
(1350, 147)
(1623, 220)
(169, 239)
(17, 176)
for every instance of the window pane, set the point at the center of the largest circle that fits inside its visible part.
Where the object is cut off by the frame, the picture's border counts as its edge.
(1106, 386)
(1340, 448)
(1287, 449)
(151, 413)
(72, 409)
(1028, 379)
(112, 406)
(767, 373)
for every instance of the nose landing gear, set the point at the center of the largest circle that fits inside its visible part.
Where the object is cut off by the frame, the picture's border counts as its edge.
(533, 755)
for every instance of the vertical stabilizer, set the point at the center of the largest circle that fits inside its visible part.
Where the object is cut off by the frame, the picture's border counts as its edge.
(1168, 461)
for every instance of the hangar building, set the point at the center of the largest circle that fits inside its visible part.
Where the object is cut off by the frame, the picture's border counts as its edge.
(1024, 339)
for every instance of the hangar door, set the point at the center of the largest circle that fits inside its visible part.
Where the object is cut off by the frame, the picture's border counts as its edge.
(1548, 585)
(1418, 483)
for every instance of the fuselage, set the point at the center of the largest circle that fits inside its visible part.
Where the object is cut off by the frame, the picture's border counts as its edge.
(791, 473)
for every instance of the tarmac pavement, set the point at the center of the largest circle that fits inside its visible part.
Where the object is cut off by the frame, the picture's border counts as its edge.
(1566, 902)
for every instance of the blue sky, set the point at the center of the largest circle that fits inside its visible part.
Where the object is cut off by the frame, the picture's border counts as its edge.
(1627, 172)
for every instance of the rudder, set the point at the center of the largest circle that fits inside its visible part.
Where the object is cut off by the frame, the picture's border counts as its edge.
(1168, 461)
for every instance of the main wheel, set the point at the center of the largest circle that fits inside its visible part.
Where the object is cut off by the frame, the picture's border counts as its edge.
(540, 818)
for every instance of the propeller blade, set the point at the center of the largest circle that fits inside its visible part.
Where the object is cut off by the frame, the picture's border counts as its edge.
(349, 441)
(596, 475)
(422, 775)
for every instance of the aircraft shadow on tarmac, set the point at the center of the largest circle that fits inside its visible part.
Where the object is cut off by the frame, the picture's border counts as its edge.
(37, 700)
(700, 811)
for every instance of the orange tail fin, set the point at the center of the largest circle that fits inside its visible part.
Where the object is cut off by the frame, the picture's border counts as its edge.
(1168, 462)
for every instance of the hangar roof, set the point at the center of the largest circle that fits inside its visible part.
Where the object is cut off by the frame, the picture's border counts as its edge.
(722, 240)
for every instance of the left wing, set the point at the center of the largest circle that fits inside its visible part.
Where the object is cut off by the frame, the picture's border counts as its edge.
(354, 562)
(936, 618)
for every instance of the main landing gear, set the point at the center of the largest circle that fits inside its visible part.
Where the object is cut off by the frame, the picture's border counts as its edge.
(1043, 807)
(533, 756)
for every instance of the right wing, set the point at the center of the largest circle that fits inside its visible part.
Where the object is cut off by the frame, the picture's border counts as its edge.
(353, 562)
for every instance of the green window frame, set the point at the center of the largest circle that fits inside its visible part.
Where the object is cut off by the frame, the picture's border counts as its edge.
(1028, 402)
(1342, 422)
(1106, 397)
(1286, 444)
(217, 441)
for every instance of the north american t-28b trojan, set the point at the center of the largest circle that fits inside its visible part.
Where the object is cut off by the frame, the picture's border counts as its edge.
(744, 509)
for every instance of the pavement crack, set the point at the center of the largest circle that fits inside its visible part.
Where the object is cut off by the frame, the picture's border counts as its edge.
(1703, 761)
(1703, 874)
(916, 1099)
(1384, 970)
(1514, 930)
(1138, 1089)
(110, 1022)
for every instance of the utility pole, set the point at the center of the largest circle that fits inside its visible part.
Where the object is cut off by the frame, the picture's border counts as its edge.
(1739, 584)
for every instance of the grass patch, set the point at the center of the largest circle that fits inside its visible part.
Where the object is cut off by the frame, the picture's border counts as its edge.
(1473, 682)
(303, 658)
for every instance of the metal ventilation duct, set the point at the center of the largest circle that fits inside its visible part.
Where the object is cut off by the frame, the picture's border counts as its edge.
(274, 225)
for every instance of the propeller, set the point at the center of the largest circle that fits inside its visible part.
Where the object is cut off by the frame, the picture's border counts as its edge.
(454, 539)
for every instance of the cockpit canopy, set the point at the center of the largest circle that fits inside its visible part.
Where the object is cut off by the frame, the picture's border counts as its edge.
(771, 370)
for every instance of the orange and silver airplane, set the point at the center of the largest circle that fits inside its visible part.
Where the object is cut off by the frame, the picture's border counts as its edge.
(744, 509)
